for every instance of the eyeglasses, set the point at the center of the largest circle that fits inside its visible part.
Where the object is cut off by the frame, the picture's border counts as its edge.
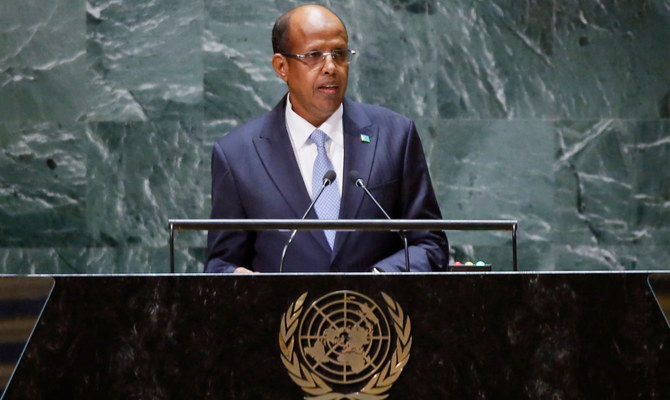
(317, 57)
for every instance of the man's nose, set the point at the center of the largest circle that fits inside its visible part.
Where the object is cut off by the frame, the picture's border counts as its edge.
(328, 63)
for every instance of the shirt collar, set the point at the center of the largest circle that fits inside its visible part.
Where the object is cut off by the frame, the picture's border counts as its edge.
(300, 129)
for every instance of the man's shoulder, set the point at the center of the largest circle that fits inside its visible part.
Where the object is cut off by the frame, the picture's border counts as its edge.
(246, 131)
(253, 128)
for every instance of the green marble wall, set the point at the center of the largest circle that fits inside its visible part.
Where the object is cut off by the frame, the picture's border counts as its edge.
(553, 112)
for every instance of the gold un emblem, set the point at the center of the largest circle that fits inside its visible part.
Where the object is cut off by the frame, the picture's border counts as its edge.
(342, 346)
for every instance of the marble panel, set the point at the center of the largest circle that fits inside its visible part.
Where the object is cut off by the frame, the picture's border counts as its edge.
(613, 257)
(504, 59)
(611, 184)
(651, 256)
(103, 259)
(612, 191)
(40, 260)
(145, 59)
(42, 60)
(141, 174)
(239, 81)
(43, 184)
(493, 169)
(580, 257)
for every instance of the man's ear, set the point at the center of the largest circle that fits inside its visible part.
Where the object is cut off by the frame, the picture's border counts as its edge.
(280, 64)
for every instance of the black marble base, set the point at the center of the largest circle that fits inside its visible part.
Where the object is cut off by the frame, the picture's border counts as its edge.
(489, 335)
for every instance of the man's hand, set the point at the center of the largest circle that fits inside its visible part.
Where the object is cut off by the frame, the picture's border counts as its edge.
(242, 270)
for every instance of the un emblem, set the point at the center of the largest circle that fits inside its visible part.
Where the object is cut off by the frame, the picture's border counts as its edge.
(343, 342)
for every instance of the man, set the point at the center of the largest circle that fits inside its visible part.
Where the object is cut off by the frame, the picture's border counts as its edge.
(272, 167)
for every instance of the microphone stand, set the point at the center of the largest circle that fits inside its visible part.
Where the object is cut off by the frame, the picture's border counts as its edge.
(403, 235)
(328, 178)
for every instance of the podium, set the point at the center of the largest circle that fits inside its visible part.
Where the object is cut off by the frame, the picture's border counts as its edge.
(460, 335)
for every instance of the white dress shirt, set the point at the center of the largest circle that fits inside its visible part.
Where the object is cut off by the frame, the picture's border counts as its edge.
(304, 149)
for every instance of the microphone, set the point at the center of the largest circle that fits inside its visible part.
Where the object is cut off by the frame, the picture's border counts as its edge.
(355, 177)
(328, 178)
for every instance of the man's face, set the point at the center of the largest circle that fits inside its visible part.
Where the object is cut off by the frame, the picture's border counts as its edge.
(316, 91)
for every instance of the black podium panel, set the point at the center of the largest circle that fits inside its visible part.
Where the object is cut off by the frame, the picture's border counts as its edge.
(491, 335)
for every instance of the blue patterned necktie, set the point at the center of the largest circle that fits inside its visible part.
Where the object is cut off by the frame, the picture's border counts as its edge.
(328, 205)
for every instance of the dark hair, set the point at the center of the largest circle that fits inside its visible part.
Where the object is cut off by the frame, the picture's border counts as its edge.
(280, 40)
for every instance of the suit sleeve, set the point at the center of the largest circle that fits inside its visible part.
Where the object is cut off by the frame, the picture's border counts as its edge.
(226, 250)
(428, 251)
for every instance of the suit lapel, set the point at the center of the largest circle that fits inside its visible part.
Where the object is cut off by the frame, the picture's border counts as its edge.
(359, 155)
(276, 153)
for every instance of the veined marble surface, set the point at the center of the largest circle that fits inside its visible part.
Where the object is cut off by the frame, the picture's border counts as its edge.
(553, 113)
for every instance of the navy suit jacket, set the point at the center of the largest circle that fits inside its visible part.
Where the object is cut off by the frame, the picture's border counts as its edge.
(255, 175)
